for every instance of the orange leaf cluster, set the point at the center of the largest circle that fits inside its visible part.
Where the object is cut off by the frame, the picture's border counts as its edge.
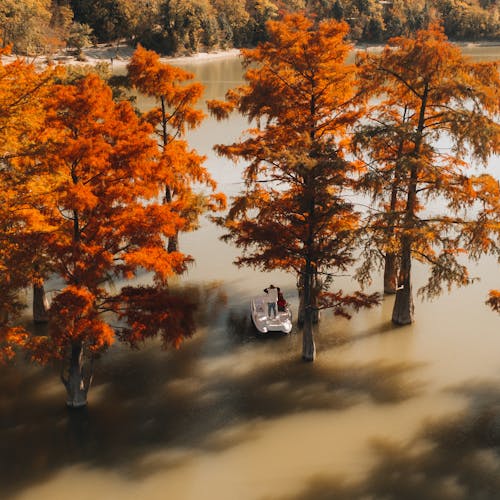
(494, 300)
(423, 89)
(179, 168)
(22, 94)
(151, 311)
(85, 205)
(294, 213)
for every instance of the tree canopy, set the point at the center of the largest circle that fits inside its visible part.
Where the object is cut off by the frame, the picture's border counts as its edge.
(80, 190)
(293, 213)
(23, 91)
(425, 90)
(179, 168)
(106, 224)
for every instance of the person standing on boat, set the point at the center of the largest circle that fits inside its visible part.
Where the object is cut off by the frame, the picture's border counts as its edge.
(281, 301)
(272, 299)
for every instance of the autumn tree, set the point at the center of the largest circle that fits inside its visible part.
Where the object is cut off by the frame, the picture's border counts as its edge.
(447, 211)
(381, 143)
(294, 213)
(494, 300)
(260, 11)
(180, 168)
(109, 20)
(469, 20)
(61, 19)
(233, 20)
(23, 90)
(25, 25)
(79, 37)
(100, 200)
(187, 25)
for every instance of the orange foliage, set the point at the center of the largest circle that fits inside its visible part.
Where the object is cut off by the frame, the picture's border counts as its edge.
(302, 64)
(10, 337)
(293, 214)
(100, 200)
(179, 168)
(22, 93)
(150, 312)
(425, 89)
(74, 319)
(494, 300)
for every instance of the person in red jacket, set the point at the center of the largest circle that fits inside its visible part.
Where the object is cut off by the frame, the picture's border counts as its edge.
(281, 301)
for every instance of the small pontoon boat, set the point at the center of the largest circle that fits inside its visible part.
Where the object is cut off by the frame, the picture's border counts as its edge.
(281, 323)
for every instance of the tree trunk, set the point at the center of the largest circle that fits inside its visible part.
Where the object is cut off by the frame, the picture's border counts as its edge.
(4, 316)
(301, 317)
(173, 243)
(315, 312)
(77, 383)
(40, 304)
(402, 313)
(308, 346)
(390, 274)
(391, 259)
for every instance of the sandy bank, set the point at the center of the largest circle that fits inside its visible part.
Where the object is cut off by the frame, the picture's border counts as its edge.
(118, 56)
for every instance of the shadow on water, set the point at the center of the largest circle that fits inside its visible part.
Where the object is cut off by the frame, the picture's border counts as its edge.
(224, 378)
(456, 457)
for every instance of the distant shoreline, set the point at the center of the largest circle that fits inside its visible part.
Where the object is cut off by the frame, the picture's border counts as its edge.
(119, 56)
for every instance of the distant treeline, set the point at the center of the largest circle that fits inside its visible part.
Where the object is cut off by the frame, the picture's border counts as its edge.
(185, 26)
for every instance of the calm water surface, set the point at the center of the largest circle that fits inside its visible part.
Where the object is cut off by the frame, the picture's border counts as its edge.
(384, 412)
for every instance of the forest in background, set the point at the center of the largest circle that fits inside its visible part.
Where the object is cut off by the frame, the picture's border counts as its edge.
(176, 27)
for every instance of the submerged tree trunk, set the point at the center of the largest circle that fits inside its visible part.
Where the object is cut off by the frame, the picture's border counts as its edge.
(390, 274)
(308, 346)
(301, 317)
(40, 304)
(391, 258)
(173, 241)
(315, 312)
(402, 313)
(77, 382)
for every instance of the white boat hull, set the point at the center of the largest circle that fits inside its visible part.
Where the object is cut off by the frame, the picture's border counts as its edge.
(264, 324)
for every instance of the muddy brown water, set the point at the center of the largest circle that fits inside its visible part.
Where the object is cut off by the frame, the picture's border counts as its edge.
(384, 412)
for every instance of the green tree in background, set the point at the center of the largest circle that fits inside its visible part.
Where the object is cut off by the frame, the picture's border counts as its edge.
(79, 37)
(233, 21)
(261, 11)
(186, 26)
(25, 25)
(109, 19)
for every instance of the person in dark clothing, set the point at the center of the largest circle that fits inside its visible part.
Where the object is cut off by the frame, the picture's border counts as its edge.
(281, 301)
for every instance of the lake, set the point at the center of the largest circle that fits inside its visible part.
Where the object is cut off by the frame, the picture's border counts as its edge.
(385, 412)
